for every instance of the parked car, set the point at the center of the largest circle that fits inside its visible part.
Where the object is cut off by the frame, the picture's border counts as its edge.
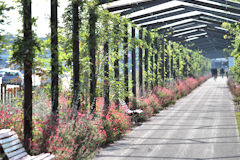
(12, 77)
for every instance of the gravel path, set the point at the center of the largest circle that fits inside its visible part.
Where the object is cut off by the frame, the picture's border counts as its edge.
(199, 126)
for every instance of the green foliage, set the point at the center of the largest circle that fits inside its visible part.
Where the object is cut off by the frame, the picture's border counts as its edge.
(21, 50)
(234, 33)
(3, 18)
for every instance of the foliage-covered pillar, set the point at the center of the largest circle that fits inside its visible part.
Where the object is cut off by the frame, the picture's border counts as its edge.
(171, 60)
(140, 64)
(76, 72)
(178, 64)
(173, 71)
(125, 47)
(27, 104)
(163, 61)
(185, 66)
(92, 44)
(146, 61)
(152, 66)
(54, 57)
(166, 63)
(106, 73)
(116, 62)
(133, 63)
(156, 60)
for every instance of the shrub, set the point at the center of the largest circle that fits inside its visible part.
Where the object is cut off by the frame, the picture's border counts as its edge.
(79, 138)
(165, 96)
(115, 123)
(154, 102)
(74, 138)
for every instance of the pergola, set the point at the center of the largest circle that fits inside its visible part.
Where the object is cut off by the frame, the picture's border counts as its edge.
(185, 21)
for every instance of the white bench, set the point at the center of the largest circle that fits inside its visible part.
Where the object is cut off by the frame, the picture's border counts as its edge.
(127, 110)
(14, 150)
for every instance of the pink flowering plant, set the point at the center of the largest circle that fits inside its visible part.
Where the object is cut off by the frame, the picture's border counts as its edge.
(76, 138)
(116, 122)
(77, 135)
(234, 87)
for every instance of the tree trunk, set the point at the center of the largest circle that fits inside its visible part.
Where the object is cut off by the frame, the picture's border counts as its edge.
(152, 67)
(76, 72)
(156, 62)
(27, 104)
(133, 65)
(147, 40)
(172, 69)
(116, 65)
(54, 58)
(178, 65)
(140, 65)
(92, 51)
(146, 69)
(163, 61)
(125, 47)
(106, 74)
(167, 64)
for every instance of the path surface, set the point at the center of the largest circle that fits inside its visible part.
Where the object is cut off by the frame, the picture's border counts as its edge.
(200, 126)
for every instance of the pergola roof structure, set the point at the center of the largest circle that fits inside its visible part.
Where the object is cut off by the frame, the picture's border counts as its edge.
(188, 21)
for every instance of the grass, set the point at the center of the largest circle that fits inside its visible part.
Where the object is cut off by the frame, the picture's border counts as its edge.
(238, 120)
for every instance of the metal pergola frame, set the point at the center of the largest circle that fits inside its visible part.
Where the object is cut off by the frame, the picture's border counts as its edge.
(188, 21)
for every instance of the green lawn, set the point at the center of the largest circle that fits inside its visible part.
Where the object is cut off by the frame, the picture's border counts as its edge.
(238, 121)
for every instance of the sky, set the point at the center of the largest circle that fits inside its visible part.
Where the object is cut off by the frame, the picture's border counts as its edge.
(40, 10)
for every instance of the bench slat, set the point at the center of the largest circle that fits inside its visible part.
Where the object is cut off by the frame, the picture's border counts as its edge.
(17, 157)
(7, 140)
(4, 131)
(50, 157)
(127, 110)
(13, 148)
(15, 152)
(28, 157)
(138, 111)
(7, 134)
(7, 145)
(41, 156)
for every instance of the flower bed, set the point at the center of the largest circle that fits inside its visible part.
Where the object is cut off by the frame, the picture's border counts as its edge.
(235, 90)
(80, 137)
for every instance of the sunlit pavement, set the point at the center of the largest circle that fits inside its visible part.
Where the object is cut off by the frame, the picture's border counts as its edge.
(199, 126)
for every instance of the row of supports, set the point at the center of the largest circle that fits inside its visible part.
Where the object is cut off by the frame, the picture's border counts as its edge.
(159, 68)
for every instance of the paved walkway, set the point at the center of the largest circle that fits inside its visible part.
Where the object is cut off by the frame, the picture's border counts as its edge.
(200, 126)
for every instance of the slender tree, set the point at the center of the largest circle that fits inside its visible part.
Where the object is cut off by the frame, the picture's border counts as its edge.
(141, 64)
(178, 65)
(92, 50)
(172, 67)
(54, 58)
(27, 104)
(125, 47)
(116, 63)
(156, 60)
(133, 65)
(146, 68)
(152, 66)
(76, 72)
(147, 39)
(166, 63)
(163, 61)
(106, 73)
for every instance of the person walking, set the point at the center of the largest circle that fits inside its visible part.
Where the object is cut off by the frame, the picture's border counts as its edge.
(215, 73)
(226, 71)
(222, 72)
